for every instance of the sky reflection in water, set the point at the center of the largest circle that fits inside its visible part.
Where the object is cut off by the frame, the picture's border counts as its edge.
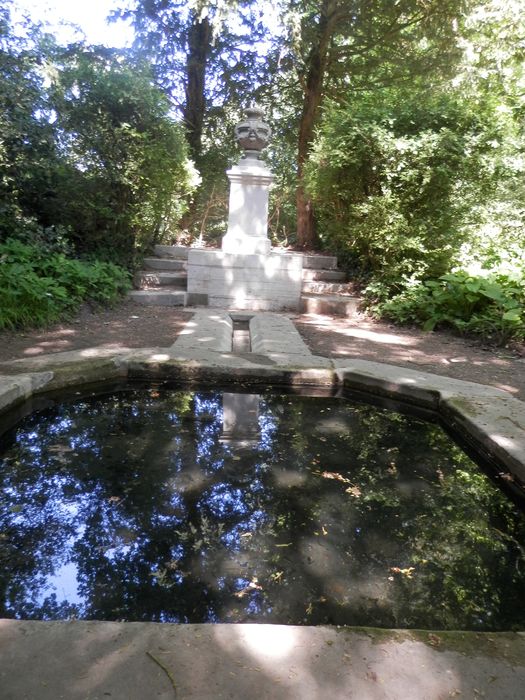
(155, 504)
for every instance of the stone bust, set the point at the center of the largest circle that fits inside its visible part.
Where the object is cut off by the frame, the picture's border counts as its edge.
(253, 134)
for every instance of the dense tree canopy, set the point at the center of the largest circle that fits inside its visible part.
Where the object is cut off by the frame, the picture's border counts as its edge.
(398, 140)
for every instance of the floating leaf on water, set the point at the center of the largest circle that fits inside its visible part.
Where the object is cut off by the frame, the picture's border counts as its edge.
(353, 491)
(404, 572)
(336, 476)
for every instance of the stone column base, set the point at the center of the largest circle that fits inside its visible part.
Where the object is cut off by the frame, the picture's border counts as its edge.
(248, 281)
(246, 245)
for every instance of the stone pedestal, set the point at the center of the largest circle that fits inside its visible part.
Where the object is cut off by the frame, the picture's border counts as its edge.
(247, 233)
(245, 274)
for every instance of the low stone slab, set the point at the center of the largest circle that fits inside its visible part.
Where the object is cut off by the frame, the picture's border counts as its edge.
(330, 304)
(139, 660)
(150, 297)
(63, 369)
(21, 386)
(146, 278)
(323, 275)
(172, 251)
(319, 262)
(274, 333)
(208, 329)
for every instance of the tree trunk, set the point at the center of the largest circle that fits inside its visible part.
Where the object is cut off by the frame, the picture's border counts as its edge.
(313, 95)
(199, 46)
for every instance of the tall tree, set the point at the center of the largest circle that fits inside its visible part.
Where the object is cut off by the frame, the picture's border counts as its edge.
(340, 46)
(204, 53)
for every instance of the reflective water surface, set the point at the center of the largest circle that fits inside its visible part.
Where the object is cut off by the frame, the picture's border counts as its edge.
(198, 506)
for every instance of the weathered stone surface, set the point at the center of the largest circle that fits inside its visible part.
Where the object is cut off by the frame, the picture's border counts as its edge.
(168, 264)
(254, 282)
(150, 297)
(419, 388)
(172, 251)
(272, 333)
(323, 275)
(96, 660)
(330, 304)
(21, 386)
(494, 422)
(206, 329)
(319, 262)
(70, 368)
(159, 278)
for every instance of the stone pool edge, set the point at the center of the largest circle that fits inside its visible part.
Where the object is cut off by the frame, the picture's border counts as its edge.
(70, 659)
(82, 660)
(491, 419)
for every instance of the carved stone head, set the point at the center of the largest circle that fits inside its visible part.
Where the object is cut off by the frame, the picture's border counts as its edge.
(253, 134)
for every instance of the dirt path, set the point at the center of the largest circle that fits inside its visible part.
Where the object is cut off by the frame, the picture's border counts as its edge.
(133, 326)
(438, 352)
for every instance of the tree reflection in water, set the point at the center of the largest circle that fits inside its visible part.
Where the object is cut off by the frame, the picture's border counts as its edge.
(141, 505)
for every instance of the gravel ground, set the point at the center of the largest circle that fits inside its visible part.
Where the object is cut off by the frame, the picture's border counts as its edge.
(130, 325)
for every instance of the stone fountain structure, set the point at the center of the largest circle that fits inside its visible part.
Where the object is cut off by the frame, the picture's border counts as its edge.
(245, 273)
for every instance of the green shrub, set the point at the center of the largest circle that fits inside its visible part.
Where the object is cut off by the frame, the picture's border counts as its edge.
(37, 288)
(490, 304)
(393, 182)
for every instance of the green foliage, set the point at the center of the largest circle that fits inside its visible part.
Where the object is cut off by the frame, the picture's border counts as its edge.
(88, 150)
(38, 288)
(125, 175)
(394, 180)
(492, 305)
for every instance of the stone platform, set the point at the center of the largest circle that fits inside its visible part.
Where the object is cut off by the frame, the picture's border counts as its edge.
(269, 282)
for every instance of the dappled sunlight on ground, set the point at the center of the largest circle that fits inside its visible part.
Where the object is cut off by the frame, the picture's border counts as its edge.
(125, 326)
(364, 338)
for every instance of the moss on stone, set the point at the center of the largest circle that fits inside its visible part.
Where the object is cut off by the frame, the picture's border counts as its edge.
(508, 647)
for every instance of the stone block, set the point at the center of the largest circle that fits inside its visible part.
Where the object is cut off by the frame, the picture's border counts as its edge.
(206, 329)
(252, 282)
(273, 333)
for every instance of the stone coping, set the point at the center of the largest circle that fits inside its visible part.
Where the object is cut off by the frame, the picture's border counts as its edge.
(490, 419)
(140, 660)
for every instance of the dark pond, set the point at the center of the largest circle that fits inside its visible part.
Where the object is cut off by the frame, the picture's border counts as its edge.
(198, 506)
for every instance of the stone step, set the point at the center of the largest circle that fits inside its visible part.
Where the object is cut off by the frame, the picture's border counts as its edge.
(172, 251)
(323, 275)
(319, 287)
(156, 297)
(164, 264)
(146, 279)
(319, 262)
(330, 304)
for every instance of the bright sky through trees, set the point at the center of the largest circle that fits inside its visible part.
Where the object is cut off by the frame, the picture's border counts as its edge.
(90, 18)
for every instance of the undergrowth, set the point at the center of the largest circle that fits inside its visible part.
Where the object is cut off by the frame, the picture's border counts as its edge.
(490, 304)
(38, 288)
